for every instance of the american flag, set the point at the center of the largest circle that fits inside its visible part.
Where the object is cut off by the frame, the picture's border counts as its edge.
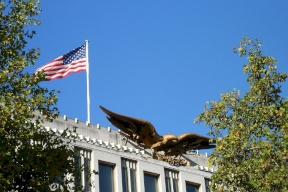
(71, 62)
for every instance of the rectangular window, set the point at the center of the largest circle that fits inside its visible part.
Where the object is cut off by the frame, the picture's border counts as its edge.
(106, 177)
(129, 175)
(150, 182)
(83, 169)
(207, 184)
(171, 181)
(191, 187)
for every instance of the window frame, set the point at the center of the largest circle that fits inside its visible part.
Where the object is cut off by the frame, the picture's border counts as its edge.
(155, 176)
(128, 171)
(207, 184)
(171, 180)
(112, 166)
(83, 163)
(196, 185)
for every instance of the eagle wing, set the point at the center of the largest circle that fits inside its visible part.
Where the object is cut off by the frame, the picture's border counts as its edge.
(138, 130)
(189, 141)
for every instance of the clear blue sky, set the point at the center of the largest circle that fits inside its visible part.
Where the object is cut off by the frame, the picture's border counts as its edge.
(157, 60)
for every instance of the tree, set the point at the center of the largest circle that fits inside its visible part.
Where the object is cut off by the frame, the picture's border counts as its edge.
(30, 157)
(253, 154)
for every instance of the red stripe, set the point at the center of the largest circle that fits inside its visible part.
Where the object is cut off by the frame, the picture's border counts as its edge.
(61, 67)
(62, 76)
(55, 62)
(52, 68)
(74, 67)
(56, 69)
(64, 68)
(65, 71)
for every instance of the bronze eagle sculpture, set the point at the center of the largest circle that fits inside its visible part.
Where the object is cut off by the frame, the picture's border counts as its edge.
(144, 134)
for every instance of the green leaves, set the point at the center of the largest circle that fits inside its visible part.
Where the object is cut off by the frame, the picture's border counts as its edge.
(30, 158)
(252, 154)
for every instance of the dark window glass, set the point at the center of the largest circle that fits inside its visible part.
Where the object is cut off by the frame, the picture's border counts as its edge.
(191, 188)
(168, 184)
(124, 179)
(82, 170)
(129, 175)
(150, 183)
(175, 185)
(171, 180)
(77, 180)
(207, 185)
(106, 181)
(133, 180)
(87, 174)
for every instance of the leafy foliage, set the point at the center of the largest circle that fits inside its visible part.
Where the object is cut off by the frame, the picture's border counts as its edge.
(30, 157)
(253, 154)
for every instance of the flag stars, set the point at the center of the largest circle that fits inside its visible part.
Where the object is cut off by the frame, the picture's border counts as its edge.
(72, 62)
(76, 54)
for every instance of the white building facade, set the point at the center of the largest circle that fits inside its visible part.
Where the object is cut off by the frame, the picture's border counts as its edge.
(123, 166)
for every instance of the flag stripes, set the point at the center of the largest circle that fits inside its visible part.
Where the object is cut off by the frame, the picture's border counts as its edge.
(72, 62)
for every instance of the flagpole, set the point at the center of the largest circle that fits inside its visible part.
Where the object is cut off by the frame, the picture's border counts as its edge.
(88, 83)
